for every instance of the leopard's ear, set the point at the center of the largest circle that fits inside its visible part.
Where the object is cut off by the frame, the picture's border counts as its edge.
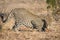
(4, 17)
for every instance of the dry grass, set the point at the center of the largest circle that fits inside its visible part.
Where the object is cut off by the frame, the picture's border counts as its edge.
(28, 34)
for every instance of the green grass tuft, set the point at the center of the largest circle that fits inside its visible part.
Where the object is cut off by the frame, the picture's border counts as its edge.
(51, 2)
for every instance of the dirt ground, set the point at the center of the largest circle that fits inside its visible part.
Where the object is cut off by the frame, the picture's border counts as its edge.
(29, 35)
